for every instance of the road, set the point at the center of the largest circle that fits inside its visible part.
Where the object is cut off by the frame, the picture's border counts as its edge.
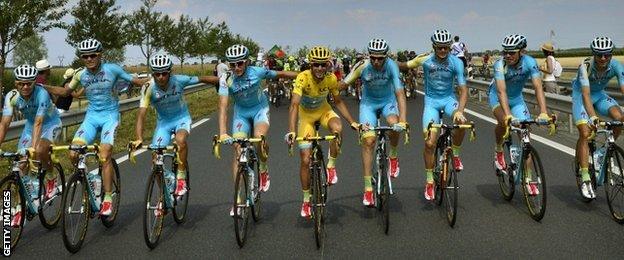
(487, 225)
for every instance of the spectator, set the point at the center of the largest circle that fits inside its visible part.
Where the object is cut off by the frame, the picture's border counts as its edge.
(43, 72)
(346, 64)
(64, 103)
(221, 69)
(548, 69)
(459, 49)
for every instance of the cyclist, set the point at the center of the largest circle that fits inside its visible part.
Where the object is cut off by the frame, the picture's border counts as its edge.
(309, 103)
(251, 107)
(382, 92)
(441, 72)
(510, 76)
(42, 128)
(166, 93)
(589, 96)
(98, 80)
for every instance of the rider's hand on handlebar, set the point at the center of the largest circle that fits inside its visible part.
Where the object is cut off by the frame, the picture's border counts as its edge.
(289, 138)
(594, 120)
(459, 117)
(399, 127)
(356, 126)
(226, 139)
(136, 143)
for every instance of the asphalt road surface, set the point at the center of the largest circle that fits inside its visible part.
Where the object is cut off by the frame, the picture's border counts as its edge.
(487, 225)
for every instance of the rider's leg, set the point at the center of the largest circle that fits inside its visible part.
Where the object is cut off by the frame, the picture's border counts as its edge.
(335, 126)
(582, 150)
(304, 173)
(368, 144)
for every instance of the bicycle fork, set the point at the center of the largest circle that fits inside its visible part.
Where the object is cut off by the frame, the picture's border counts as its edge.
(381, 152)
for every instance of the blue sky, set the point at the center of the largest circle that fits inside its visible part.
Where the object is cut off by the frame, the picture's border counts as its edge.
(404, 24)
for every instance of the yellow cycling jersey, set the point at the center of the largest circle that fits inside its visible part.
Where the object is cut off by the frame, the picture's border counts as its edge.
(314, 94)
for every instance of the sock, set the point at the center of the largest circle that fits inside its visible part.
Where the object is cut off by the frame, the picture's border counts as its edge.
(529, 173)
(393, 152)
(108, 197)
(456, 150)
(306, 195)
(368, 185)
(498, 148)
(181, 174)
(585, 174)
(49, 174)
(331, 162)
(263, 167)
(429, 173)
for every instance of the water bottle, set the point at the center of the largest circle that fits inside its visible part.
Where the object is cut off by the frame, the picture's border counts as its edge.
(252, 177)
(170, 180)
(95, 181)
(31, 190)
(514, 153)
(598, 156)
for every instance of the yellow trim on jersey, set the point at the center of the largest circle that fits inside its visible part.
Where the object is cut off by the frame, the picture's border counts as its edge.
(355, 72)
(146, 93)
(75, 82)
(418, 61)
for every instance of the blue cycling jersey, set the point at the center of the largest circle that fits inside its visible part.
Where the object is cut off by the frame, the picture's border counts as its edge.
(377, 85)
(39, 104)
(169, 103)
(246, 90)
(596, 82)
(99, 86)
(515, 77)
(440, 75)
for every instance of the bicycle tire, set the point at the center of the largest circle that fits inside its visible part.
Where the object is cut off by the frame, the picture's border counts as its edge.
(256, 207)
(76, 179)
(50, 222)
(385, 199)
(506, 180)
(536, 204)
(241, 211)
(317, 206)
(614, 183)
(109, 221)
(153, 229)
(437, 174)
(10, 183)
(450, 193)
(180, 204)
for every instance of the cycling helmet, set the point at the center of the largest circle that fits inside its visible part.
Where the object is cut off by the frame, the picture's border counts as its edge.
(514, 42)
(319, 54)
(161, 63)
(378, 46)
(25, 73)
(89, 46)
(236, 52)
(601, 45)
(441, 37)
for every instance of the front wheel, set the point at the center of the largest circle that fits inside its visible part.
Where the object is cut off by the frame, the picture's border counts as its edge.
(17, 204)
(50, 208)
(115, 194)
(153, 213)
(534, 184)
(241, 209)
(318, 205)
(450, 187)
(76, 211)
(614, 183)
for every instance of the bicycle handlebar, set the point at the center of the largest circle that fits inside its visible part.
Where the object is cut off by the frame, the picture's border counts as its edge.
(533, 121)
(382, 129)
(335, 136)
(469, 125)
(216, 144)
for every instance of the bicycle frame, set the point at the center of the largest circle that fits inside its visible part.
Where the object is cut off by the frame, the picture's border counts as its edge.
(525, 138)
(608, 145)
(16, 161)
(246, 159)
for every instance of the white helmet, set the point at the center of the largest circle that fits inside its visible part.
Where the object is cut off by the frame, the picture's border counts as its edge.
(25, 73)
(514, 42)
(89, 46)
(236, 52)
(161, 63)
(441, 37)
(602, 45)
(378, 46)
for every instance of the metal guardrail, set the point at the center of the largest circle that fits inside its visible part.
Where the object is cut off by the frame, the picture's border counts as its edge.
(77, 116)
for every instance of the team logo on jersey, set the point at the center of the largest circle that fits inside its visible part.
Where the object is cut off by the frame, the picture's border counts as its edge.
(80, 132)
(25, 141)
(238, 126)
(106, 133)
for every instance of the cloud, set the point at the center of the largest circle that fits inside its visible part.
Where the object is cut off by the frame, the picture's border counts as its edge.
(362, 16)
(169, 3)
(220, 17)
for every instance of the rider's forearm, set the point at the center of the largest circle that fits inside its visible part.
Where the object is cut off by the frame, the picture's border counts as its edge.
(541, 97)
(209, 80)
(59, 91)
(502, 99)
(293, 112)
(463, 98)
(589, 106)
(287, 74)
(400, 95)
(223, 105)
(139, 124)
(36, 133)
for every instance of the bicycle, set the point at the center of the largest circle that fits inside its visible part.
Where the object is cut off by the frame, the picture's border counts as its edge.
(382, 189)
(19, 194)
(605, 167)
(524, 167)
(246, 189)
(159, 201)
(318, 178)
(444, 172)
(83, 196)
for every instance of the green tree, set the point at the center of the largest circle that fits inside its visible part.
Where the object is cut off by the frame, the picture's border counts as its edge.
(206, 40)
(20, 19)
(101, 20)
(181, 39)
(303, 51)
(30, 50)
(145, 29)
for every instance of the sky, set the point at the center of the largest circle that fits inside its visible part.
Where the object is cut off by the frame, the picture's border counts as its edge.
(405, 24)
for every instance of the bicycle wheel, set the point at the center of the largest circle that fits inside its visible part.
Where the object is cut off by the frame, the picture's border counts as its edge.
(50, 209)
(384, 199)
(9, 183)
(153, 213)
(76, 212)
(437, 174)
(318, 205)
(614, 183)
(180, 204)
(535, 203)
(241, 210)
(450, 188)
(256, 208)
(506, 181)
(116, 194)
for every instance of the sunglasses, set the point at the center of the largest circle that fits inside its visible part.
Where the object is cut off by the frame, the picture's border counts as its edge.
(377, 58)
(89, 56)
(319, 64)
(24, 83)
(160, 74)
(604, 55)
(237, 64)
(510, 53)
(442, 47)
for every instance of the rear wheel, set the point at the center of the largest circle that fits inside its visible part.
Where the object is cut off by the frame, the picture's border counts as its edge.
(241, 210)
(153, 213)
(506, 181)
(76, 211)
(536, 203)
(614, 183)
(50, 209)
(9, 183)
(109, 220)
